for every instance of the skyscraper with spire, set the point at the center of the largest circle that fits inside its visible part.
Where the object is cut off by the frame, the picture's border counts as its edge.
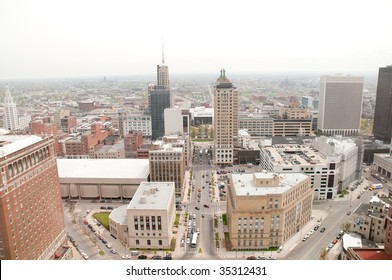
(10, 121)
(160, 98)
(163, 73)
(225, 119)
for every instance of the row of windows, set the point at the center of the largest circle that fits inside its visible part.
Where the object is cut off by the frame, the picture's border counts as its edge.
(256, 242)
(27, 162)
(148, 242)
(147, 223)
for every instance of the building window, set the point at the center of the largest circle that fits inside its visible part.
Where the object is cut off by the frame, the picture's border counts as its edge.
(137, 242)
(159, 223)
(160, 242)
(148, 242)
(136, 223)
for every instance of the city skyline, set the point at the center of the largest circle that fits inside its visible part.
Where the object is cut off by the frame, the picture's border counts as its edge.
(92, 38)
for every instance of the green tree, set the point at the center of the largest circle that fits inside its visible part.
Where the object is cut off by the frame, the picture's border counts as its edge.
(346, 227)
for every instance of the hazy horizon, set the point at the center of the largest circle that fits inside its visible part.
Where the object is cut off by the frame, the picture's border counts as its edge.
(45, 39)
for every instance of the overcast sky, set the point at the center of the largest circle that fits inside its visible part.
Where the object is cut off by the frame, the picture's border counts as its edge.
(73, 38)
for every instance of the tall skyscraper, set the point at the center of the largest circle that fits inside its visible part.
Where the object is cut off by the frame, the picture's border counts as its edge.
(225, 120)
(340, 105)
(163, 73)
(31, 212)
(11, 121)
(382, 127)
(160, 100)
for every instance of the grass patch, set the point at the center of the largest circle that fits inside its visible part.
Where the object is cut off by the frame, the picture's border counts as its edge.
(173, 244)
(216, 222)
(224, 219)
(227, 241)
(200, 250)
(103, 218)
(177, 220)
(186, 217)
(101, 253)
(216, 236)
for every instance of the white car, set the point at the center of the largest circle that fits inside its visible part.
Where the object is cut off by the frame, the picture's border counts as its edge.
(108, 246)
(188, 240)
(113, 251)
(182, 243)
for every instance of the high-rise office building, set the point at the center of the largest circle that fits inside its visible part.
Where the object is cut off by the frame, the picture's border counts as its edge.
(382, 128)
(225, 120)
(340, 105)
(167, 164)
(160, 100)
(11, 121)
(31, 211)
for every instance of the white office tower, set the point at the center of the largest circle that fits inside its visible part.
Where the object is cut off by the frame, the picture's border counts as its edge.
(340, 105)
(11, 121)
(225, 120)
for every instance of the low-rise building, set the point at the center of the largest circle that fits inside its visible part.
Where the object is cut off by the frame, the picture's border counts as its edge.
(101, 178)
(151, 215)
(294, 155)
(118, 224)
(265, 209)
(369, 220)
(111, 151)
(138, 122)
(382, 165)
(256, 124)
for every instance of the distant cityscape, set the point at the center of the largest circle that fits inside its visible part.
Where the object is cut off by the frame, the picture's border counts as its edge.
(225, 167)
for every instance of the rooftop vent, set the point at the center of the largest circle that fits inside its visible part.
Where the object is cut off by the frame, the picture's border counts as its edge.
(143, 200)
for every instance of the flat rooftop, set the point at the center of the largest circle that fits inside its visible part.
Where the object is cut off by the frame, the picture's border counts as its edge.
(167, 147)
(103, 168)
(372, 254)
(153, 195)
(386, 157)
(292, 155)
(119, 215)
(12, 143)
(245, 185)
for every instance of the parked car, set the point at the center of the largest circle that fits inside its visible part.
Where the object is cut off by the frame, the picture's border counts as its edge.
(206, 206)
(168, 257)
(251, 258)
(322, 230)
(156, 257)
(142, 257)
(110, 208)
(103, 207)
(197, 208)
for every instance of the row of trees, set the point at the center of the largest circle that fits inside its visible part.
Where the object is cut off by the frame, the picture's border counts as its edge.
(202, 131)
